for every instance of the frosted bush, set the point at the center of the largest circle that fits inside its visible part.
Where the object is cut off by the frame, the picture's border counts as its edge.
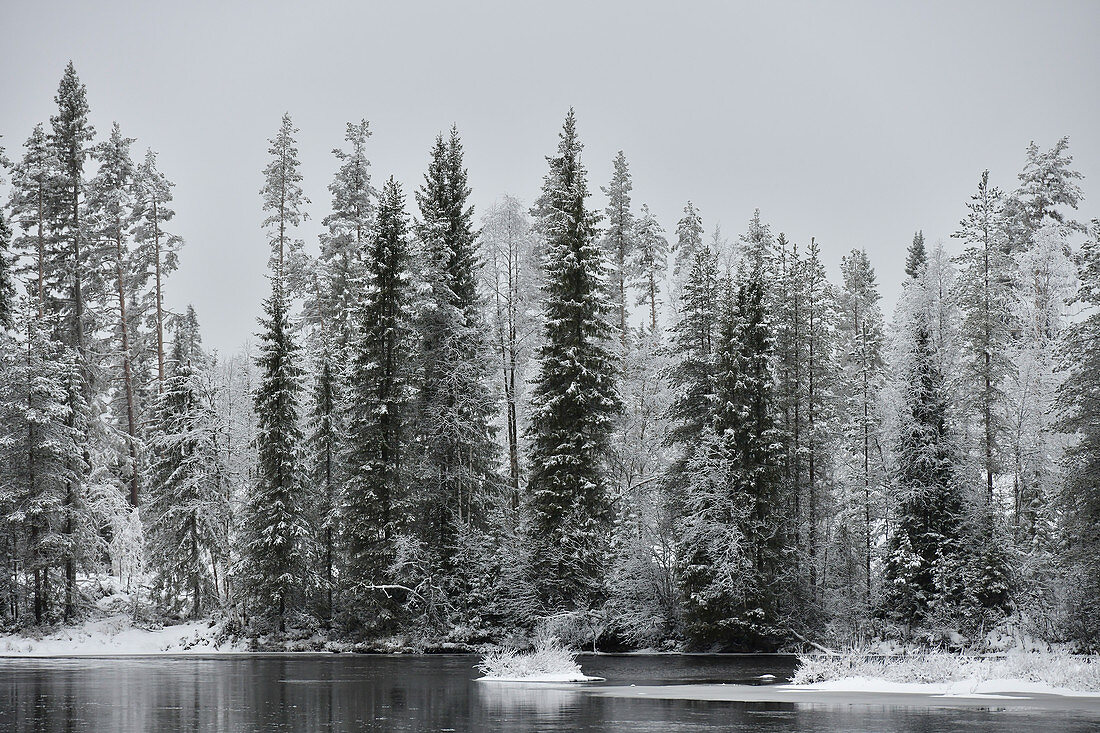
(1056, 669)
(549, 657)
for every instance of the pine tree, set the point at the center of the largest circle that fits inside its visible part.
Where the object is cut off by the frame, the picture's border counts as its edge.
(109, 202)
(649, 262)
(7, 261)
(275, 535)
(157, 252)
(987, 299)
(455, 447)
(284, 199)
(574, 398)
(377, 416)
(338, 279)
(1048, 184)
(186, 502)
(820, 399)
(619, 240)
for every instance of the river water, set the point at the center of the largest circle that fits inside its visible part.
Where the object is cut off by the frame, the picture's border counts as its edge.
(436, 693)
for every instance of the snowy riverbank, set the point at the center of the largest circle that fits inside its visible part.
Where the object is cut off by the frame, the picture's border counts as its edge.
(116, 634)
(1050, 670)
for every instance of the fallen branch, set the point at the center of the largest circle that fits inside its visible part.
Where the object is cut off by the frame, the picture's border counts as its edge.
(814, 644)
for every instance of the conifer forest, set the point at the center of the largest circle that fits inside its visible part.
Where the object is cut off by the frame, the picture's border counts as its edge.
(454, 426)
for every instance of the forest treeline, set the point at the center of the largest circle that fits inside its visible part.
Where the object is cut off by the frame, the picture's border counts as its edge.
(457, 427)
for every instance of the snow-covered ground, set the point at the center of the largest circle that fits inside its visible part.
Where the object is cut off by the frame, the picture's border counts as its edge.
(991, 688)
(117, 635)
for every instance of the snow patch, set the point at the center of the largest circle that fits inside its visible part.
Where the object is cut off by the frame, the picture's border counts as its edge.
(973, 688)
(117, 635)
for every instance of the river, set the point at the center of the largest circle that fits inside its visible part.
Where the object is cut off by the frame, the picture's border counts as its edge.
(438, 693)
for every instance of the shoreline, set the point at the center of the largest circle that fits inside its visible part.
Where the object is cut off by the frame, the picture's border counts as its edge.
(811, 695)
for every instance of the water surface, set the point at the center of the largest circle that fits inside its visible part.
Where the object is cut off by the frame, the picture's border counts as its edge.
(436, 693)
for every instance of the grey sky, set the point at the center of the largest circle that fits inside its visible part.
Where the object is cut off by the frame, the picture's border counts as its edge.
(856, 123)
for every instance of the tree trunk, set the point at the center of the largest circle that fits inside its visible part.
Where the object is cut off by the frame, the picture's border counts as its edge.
(127, 379)
(160, 300)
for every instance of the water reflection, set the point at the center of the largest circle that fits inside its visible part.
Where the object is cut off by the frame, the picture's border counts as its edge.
(539, 700)
(352, 693)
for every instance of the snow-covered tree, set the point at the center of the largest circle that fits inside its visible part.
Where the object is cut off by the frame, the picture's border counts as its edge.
(157, 253)
(649, 262)
(376, 504)
(40, 454)
(284, 201)
(455, 448)
(741, 465)
(511, 275)
(275, 535)
(186, 502)
(986, 297)
(863, 371)
(1079, 497)
(925, 563)
(339, 270)
(35, 177)
(575, 394)
(110, 199)
(619, 241)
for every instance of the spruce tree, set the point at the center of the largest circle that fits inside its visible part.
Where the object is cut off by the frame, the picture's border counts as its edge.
(37, 449)
(691, 378)
(377, 414)
(455, 449)
(574, 398)
(689, 238)
(345, 245)
(275, 534)
(325, 468)
(35, 178)
(1079, 497)
(924, 568)
(186, 503)
(916, 256)
(70, 138)
(742, 463)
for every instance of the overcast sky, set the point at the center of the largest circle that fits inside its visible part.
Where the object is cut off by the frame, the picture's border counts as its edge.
(856, 123)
